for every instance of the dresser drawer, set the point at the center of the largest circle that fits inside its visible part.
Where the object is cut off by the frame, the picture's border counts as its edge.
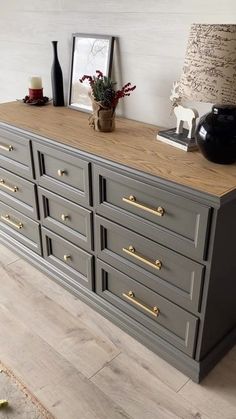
(18, 193)
(170, 219)
(69, 220)
(15, 153)
(73, 261)
(170, 274)
(22, 228)
(159, 315)
(63, 173)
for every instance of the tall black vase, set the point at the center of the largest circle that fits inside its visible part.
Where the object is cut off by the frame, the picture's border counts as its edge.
(57, 79)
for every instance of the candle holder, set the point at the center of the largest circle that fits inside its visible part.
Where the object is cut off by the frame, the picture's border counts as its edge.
(37, 102)
(35, 94)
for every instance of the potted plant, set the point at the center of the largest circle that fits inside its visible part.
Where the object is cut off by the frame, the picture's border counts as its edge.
(104, 99)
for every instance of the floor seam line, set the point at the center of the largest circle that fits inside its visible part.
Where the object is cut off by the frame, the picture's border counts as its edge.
(183, 386)
(106, 363)
(10, 263)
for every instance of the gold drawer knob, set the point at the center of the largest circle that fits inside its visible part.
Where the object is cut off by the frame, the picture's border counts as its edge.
(64, 217)
(3, 403)
(132, 200)
(61, 172)
(154, 311)
(66, 258)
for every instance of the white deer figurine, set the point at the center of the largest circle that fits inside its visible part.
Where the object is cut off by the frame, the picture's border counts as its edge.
(183, 114)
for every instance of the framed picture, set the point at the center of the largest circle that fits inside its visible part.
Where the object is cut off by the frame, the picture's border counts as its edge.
(89, 53)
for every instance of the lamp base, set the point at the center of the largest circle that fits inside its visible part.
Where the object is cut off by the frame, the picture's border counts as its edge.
(216, 134)
(181, 141)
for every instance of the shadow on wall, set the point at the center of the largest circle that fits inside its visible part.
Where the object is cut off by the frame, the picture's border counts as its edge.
(117, 74)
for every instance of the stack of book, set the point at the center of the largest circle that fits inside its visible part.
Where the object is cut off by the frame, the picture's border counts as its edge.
(177, 140)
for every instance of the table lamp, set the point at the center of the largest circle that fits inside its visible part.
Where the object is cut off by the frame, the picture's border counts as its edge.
(209, 75)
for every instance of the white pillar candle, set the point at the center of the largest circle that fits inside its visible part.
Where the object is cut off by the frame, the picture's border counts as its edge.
(35, 82)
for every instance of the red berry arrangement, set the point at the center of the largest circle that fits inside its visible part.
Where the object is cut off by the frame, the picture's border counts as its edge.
(103, 90)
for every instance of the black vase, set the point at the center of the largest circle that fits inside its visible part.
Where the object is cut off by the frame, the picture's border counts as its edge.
(57, 79)
(216, 134)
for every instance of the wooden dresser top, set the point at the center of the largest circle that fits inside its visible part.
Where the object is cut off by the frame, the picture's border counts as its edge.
(132, 144)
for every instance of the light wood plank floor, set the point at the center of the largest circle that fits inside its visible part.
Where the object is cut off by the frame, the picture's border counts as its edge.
(80, 366)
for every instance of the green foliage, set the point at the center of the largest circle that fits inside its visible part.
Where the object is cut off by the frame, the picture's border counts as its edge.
(103, 90)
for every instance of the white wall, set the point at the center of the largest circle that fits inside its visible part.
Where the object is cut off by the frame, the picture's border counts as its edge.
(152, 36)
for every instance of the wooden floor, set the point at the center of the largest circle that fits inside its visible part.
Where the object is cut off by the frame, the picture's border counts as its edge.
(80, 366)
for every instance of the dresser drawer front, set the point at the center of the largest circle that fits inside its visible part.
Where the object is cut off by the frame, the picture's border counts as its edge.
(15, 153)
(70, 259)
(22, 228)
(65, 218)
(159, 315)
(19, 193)
(170, 219)
(65, 174)
(163, 270)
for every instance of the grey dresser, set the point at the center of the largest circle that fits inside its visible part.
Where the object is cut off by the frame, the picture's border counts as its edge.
(143, 232)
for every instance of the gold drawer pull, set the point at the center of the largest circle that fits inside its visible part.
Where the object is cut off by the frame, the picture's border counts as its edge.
(3, 403)
(132, 252)
(7, 218)
(6, 147)
(61, 172)
(154, 311)
(132, 201)
(66, 257)
(64, 217)
(10, 188)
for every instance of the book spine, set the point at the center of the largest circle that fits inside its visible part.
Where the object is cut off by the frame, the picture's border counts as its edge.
(183, 146)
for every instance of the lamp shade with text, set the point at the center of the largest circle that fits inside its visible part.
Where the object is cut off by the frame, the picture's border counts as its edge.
(209, 72)
(209, 75)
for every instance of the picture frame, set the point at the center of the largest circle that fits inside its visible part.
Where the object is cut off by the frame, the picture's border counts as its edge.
(90, 52)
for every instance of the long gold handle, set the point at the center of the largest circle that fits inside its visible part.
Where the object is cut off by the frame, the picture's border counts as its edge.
(8, 220)
(132, 252)
(132, 201)
(6, 147)
(10, 188)
(131, 297)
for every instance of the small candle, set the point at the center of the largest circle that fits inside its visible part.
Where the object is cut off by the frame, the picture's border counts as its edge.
(35, 88)
(35, 82)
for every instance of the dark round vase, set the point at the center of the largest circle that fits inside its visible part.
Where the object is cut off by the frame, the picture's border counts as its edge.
(216, 134)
